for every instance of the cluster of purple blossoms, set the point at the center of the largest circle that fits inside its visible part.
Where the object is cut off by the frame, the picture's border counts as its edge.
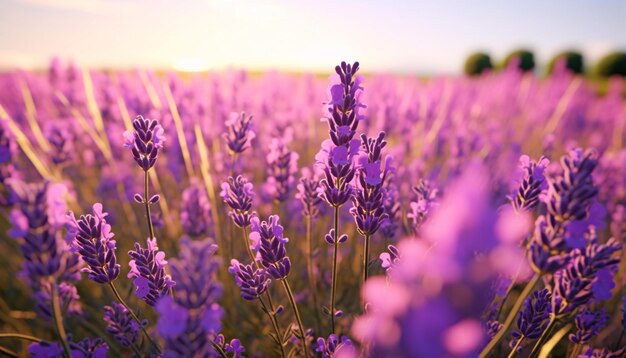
(91, 237)
(581, 280)
(337, 154)
(267, 238)
(588, 325)
(239, 133)
(37, 220)
(368, 209)
(237, 194)
(233, 347)
(425, 202)
(252, 281)
(147, 267)
(61, 148)
(391, 204)
(308, 193)
(191, 319)
(145, 141)
(568, 199)
(282, 165)
(533, 318)
(195, 212)
(532, 183)
(6, 162)
(333, 346)
(121, 324)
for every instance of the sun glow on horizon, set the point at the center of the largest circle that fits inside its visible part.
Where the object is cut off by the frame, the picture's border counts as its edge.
(192, 64)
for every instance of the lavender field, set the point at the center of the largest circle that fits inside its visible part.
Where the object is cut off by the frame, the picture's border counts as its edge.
(231, 214)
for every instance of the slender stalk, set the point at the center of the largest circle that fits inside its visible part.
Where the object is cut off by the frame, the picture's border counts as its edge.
(311, 271)
(146, 200)
(576, 350)
(517, 345)
(279, 335)
(333, 286)
(218, 349)
(58, 320)
(544, 336)
(121, 300)
(135, 349)
(511, 316)
(8, 352)
(297, 314)
(20, 336)
(366, 257)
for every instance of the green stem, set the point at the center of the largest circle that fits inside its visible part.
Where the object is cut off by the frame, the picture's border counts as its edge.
(20, 336)
(8, 352)
(132, 314)
(333, 286)
(218, 349)
(511, 316)
(517, 345)
(58, 320)
(297, 314)
(146, 201)
(135, 349)
(366, 257)
(279, 335)
(544, 336)
(311, 273)
(576, 350)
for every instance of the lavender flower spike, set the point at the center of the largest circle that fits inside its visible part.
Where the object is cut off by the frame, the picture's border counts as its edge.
(237, 194)
(589, 325)
(240, 133)
(267, 237)
(145, 141)
(121, 324)
(534, 317)
(252, 281)
(91, 236)
(148, 269)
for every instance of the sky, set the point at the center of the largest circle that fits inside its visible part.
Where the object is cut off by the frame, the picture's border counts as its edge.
(397, 36)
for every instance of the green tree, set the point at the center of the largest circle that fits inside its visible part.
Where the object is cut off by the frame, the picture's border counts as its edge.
(613, 64)
(477, 63)
(526, 59)
(574, 61)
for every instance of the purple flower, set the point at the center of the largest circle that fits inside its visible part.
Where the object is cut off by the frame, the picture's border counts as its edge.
(147, 267)
(195, 212)
(533, 318)
(282, 165)
(121, 324)
(145, 141)
(172, 318)
(252, 282)
(36, 220)
(60, 139)
(235, 348)
(190, 319)
(237, 194)
(308, 193)
(271, 246)
(390, 258)
(239, 133)
(91, 237)
(532, 183)
(588, 325)
(425, 202)
(333, 346)
(69, 300)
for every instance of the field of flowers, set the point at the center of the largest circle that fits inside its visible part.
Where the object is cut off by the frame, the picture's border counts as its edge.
(276, 215)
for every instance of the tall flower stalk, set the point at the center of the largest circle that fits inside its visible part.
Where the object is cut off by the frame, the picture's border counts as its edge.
(337, 154)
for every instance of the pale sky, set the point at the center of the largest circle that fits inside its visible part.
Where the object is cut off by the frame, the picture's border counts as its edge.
(389, 36)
